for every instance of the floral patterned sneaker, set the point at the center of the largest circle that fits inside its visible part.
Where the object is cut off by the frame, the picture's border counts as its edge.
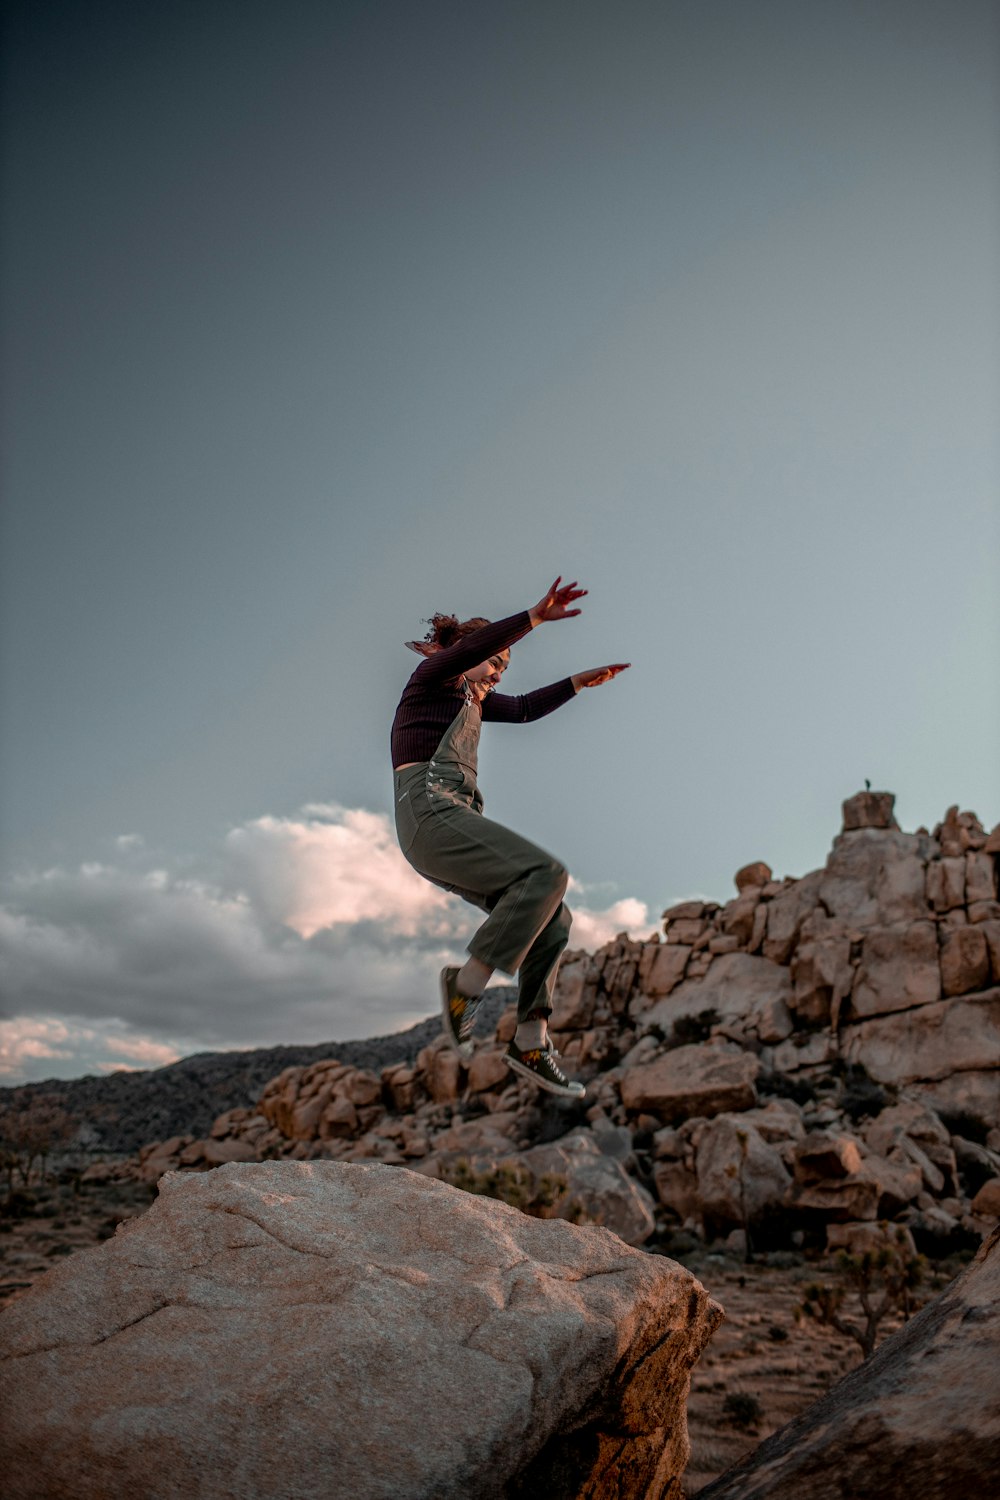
(458, 1014)
(541, 1065)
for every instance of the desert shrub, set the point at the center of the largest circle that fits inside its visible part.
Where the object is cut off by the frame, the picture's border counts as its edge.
(512, 1184)
(28, 1135)
(689, 1029)
(881, 1279)
(742, 1410)
(778, 1333)
(779, 1086)
(863, 1100)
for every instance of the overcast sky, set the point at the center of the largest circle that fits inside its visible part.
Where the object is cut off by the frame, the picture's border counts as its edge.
(320, 317)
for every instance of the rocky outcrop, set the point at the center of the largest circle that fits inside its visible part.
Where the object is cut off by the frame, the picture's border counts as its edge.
(919, 1420)
(858, 989)
(329, 1328)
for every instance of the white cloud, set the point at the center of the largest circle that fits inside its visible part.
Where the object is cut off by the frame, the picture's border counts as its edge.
(592, 929)
(38, 1047)
(339, 867)
(303, 929)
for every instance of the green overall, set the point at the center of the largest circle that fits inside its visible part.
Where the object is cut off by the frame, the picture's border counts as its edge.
(444, 836)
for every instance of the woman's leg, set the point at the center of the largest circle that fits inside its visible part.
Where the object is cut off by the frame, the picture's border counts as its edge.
(519, 884)
(537, 975)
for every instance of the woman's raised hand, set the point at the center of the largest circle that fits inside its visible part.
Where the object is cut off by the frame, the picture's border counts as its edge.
(597, 675)
(553, 605)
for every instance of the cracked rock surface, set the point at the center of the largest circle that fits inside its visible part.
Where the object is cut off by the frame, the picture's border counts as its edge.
(299, 1329)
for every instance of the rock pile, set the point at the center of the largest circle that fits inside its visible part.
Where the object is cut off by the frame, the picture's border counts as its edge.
(816, 1053)
(321, 1328)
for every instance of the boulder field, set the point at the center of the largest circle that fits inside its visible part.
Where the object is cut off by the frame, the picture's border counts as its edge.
(815, 1053)
(330, 1328)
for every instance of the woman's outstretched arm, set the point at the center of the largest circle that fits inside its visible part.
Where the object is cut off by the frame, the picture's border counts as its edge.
(596, 675)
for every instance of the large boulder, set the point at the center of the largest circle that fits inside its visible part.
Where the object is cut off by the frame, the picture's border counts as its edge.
(937, 1041)
(876, 876)
(597, 1185)
(322, 1328)
(919, 1420)
(702, 1079)
(740, 1175)
(899, 969)
(739, 986)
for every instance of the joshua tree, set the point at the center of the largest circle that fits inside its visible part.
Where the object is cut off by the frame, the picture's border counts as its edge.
(883, 1279)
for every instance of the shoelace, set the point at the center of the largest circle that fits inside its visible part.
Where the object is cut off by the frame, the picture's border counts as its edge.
(465, 1025)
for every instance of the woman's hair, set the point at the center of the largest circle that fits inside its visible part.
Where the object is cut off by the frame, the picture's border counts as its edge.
(445, 631)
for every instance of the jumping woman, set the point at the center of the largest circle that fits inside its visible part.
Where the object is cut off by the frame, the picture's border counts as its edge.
(444, 836)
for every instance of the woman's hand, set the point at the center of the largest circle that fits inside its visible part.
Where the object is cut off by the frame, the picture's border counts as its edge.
(554, 604)
(597, 675)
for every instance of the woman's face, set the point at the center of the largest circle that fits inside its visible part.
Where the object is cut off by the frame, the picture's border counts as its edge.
(483, 678)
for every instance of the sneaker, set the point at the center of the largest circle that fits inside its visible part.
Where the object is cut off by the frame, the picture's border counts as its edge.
(458, 1013)
(541, 1065)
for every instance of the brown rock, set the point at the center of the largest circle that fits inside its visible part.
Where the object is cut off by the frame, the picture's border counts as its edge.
(898, 970)
(869, 810)
(400, 1084)
(821, 1155)
(986, 1203)
(991, 932)
(684, 929)
(875, 878)
(740, 986)
(339, 1119)
(785, 916)
(952, 834)
(933, 1042)
(919, 1420)
(974, 1092)
(879, 1189)
(665, 970)
(980, 877)
(380, 1295)
(361, 1088)
(596, 1185)
(487, 1070)
(992, 845)
(677, 1189)
(946, 883)
(703, 1079)
(737, 917)
(740, 1176)
(726, 942)
(217, 1153)
(756, 874)
(575, 993)
(965, 961)
(685, 910)
(984, 911)
(822, 974)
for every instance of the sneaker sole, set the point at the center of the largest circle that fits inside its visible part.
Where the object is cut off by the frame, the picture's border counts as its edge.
(464, 1049)
(543, 1083)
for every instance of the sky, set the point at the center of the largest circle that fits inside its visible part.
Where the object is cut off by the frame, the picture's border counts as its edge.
(322, 317)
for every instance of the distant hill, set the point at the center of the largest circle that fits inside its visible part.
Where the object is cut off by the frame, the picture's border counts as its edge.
(122, 1111)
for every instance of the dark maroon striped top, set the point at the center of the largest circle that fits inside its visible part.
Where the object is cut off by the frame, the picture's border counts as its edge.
(432, 697)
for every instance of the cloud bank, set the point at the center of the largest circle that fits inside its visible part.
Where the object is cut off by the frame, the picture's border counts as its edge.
(304, 929)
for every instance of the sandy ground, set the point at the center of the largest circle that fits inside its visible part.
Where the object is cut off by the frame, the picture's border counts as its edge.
(760, 1351)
